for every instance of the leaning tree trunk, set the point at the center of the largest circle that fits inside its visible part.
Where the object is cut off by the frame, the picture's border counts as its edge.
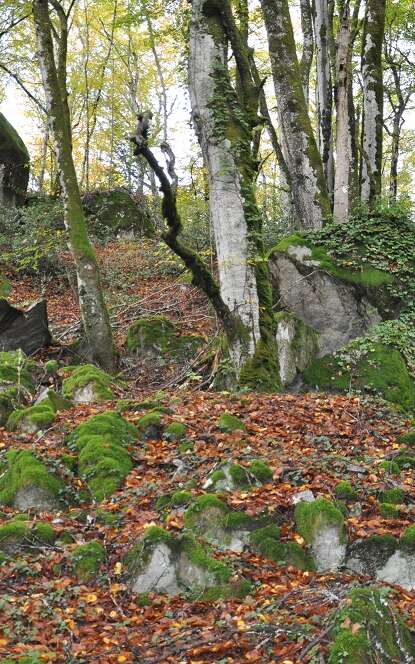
(309, 186)
(322, 29)
(224, 126)
(372, 132)
(92, 305)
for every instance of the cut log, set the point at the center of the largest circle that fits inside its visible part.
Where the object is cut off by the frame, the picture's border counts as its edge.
(28, 330)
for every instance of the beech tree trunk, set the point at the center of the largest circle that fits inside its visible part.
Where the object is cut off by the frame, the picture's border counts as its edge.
(322, 30)
(224, 122)
(372, 131)
(91, 300)
(310, 193)
(308, 45)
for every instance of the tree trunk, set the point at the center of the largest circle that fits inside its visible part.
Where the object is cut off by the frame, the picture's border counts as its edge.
(309, 186)
(396, 139)
(322, 30)
(91, 300)
(224, 123)
(372, 75)
(343, 128)
(308, 46)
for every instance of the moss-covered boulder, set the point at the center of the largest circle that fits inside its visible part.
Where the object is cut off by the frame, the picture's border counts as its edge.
(229, 423)
(15, 534)
(266, 541)
(87, 384)
(57, 401)
(369, 555)
(14, 164)
(399, 568)
(368, 630)
(116, 213)
(175, 431)
(157, 338)
(150, 426)
(376, 369)
(26, 483)
(162, 563)
(345, 491)
(104, 460)
(231, 476)
(335, 301)
(87, 560)
(33, 419)
(321, 524)
(297, 346)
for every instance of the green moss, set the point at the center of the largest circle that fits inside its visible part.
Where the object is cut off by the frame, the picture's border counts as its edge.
(40, 416)
(83, 375)
(202, 504)
(24, 469)
(236, 521)
(87, 560)
(381, 370)
(150, 425)
(44, 533)
(237, 590)
(367, 276)
(266, 542)
(261, 471)
(57, 402)
(15, 530)
(390, 467)
(405, 461)
(345, 491)
(230, 423)
(180, 498)
(389, 511)
(217, 476)
(393, 496)
(175, 431)
(407, 541)
(104, 464)
(239, 475)
(408, 438)
(51, 367)
(111, 519)
(109, 423)
(16, 370)
(142, 600)
(198, 556)
(155, 535)
(310, 517)
(258, 536)
(382, 635)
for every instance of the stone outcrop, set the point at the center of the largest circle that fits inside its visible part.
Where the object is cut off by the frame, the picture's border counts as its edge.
(14, 166)
(338, 310)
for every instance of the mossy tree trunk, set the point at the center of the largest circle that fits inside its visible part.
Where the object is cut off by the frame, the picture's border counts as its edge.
(372, 75)
(308, 45)
(225, 120)
(94, 313)
(310, 193)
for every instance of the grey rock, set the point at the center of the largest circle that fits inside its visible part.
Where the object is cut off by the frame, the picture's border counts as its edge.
(335, 309)
(36, 498)
(297, 347)
(328, 549)
(306, 496)
(159, 574)
(400, 570)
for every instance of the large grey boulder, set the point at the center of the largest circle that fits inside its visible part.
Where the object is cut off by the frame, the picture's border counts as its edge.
(14, 166)
(339, 311)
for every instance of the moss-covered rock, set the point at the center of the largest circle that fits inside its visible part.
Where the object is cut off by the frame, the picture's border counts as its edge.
(51, 367)
(157, 336)
(369, 555)
(369, 630)
(393, 496)
(15, 162)
(33, 419)
(297, 346)
(150, 426)
(229, 423)
(408, 438)
(212, 520)
(114, 212)
(176, 499)
(231, 476)
(57, 401)
(345, 491)
(104, 461)
(12, 535)
(175, 431)
(87, 383)
(27, 483)
(87, 560)
(321, 524)
(389, 511)
(162, 563)
(380, 371)
(16, 374)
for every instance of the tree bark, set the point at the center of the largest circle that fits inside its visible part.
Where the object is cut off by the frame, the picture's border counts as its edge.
(322, 30)
(372, 131)
(224, 122)
(308, 45)
(94, 313)
(309, 186)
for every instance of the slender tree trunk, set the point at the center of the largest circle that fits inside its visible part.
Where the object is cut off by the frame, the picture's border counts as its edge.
(309, 186)
(224, 122)
(308, 46)
(322, 31)
(372, 131)
(43, 157)
(396, 139)
(343, 134)
(92, 305)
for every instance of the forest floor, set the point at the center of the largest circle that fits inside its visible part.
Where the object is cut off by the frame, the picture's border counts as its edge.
(311, 441)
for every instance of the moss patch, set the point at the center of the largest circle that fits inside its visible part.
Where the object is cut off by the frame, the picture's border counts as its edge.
(407, 541)
(230, 423)
(157, 335)
(34, 418)
(390, 467)
(175, 431)
(389, 511)
(24, 470)
(87, 560)
(381, 635)
(150, 426)
(87, 374)
(381, 371)
(394, 496)
(345, 491)
(310, 517)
